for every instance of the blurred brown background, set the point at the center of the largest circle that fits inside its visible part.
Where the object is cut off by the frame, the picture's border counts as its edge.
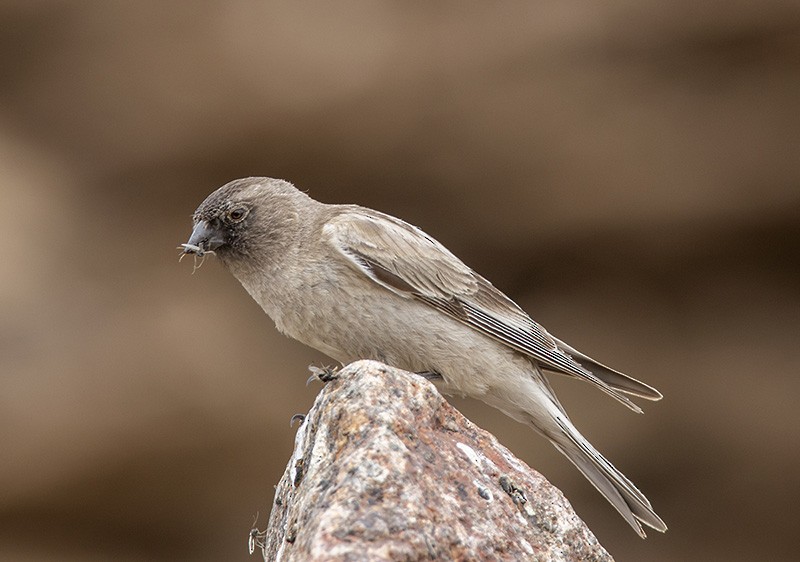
(629, 172)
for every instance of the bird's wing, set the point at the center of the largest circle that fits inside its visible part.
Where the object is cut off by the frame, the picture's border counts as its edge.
(408, 262)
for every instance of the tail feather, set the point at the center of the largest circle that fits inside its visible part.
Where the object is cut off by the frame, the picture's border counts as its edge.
(616, 380)
(615, 487)
(531, 400)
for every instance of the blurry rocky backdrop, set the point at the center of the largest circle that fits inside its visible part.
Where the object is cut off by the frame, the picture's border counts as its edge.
(629, 172)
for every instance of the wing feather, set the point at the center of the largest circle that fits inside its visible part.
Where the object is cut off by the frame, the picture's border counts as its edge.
(410, 263)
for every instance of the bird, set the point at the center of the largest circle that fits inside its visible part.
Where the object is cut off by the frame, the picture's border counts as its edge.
(355, 283)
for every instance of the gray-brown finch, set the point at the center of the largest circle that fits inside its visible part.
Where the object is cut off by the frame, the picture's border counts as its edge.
(358, 284)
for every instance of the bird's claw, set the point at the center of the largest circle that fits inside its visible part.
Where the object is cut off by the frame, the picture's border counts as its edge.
(431, 375)
(324, 374)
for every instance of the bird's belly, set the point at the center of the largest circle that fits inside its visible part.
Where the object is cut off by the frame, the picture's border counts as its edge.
(404, 333)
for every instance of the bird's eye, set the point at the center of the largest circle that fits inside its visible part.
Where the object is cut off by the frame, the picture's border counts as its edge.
(238, 214)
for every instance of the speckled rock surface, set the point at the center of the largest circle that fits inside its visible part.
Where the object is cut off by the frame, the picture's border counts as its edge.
(385, 469)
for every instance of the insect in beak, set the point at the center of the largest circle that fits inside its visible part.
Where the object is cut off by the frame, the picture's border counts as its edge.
(197, 252)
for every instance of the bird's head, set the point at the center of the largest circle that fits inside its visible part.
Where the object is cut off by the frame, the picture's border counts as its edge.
(245, 220)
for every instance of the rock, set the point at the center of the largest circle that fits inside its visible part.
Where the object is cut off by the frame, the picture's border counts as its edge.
(385, 469)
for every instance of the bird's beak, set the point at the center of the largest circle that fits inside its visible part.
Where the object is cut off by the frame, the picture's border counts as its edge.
(205, 238)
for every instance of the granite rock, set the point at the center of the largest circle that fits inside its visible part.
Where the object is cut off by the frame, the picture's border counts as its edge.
(385, 469)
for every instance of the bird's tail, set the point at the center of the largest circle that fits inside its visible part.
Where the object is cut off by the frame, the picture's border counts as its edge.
(615, 487)
(529, 398)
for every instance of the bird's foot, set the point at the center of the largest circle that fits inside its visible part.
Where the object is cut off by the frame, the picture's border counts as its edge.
(432, 376)
(324, 374)
(297, 417)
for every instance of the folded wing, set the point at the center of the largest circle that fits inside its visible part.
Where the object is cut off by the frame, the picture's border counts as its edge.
(408, 262)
